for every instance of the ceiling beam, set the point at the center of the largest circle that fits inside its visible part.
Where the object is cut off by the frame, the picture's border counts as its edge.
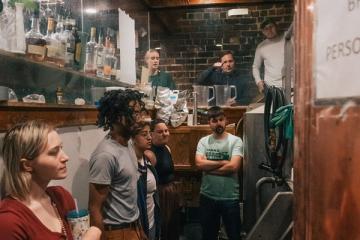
(158, 4)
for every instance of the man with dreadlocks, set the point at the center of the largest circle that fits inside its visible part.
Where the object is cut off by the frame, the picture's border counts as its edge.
(113, 168)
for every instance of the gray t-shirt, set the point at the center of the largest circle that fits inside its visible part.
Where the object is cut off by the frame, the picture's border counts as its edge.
(214, 186)
(114, 164)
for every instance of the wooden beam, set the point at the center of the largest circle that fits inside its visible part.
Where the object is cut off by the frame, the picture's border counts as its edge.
(199, 3)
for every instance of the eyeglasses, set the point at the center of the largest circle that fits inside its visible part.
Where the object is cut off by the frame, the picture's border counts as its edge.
(145, 134)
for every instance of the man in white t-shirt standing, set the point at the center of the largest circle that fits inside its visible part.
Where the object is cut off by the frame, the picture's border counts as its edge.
(269, 53)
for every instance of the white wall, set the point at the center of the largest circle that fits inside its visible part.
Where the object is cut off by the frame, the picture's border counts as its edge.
(79, 143)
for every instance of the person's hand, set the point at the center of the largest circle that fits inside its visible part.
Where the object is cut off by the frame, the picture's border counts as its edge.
(230, 102)
(217, 65)
(261, 86)
(93, 233)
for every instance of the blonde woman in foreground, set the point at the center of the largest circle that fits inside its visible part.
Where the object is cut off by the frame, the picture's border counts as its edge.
(33, 156)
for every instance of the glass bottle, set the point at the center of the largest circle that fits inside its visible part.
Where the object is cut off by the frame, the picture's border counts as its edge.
(54, 48)
(35, 42)
(99, 49)
(59, 95)
(90, 60)
(110, 64)
(77, 53)
(69, 39)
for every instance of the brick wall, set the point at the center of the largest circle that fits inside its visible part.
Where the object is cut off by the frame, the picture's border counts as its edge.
(191, 48)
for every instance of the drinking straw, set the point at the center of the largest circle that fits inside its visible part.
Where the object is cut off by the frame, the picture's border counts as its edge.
(76, 207)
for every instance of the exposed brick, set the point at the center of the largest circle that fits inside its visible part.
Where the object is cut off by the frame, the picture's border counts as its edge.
(264, 13)
(191, 48)
(272, 12)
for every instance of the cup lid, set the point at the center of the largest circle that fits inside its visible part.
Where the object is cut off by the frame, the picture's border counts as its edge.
(77, 214)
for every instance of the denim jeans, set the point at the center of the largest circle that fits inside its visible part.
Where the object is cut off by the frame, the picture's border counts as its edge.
(210, 213)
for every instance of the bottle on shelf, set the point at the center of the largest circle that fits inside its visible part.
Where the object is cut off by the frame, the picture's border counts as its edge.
(59, 95)
(110, 64)
(69, 39)
(99, 50)
(90, 59)
(59, 29)
(35, 42)
(77, 53)
(55, 49)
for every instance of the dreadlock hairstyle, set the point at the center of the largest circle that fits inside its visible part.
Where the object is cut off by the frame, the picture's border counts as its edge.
(115, 104)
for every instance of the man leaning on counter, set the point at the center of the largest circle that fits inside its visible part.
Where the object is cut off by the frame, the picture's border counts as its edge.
(222, 72)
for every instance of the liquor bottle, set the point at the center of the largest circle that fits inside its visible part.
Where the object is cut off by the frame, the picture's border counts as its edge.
(99, 49)
(90, 60)
(69, 39)
(35, 42)
(55, 50)
(59, 95)
(59, 27)
(110, 64)
(77, 54)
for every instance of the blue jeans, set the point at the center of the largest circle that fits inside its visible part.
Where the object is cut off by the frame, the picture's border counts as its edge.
(210, 212)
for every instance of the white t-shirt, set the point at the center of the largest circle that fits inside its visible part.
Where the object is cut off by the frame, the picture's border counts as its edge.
(270, 52)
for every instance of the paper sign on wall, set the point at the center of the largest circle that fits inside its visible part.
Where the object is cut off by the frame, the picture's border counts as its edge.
(337, 47)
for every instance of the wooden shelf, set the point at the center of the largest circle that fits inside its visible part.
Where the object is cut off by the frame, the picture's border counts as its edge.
(21, 59)
(59, 115)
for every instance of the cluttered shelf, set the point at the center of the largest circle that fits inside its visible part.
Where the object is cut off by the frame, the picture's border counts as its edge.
(59, 115)
(21, 61)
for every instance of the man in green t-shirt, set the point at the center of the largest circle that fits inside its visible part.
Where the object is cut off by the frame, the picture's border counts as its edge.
(219, 156)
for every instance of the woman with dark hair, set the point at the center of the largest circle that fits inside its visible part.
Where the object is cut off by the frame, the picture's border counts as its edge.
(33, 156)
(169, 194)
(148, 199)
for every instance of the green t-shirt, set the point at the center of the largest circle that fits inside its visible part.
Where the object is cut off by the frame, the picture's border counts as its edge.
(214, 186)
(162, 79)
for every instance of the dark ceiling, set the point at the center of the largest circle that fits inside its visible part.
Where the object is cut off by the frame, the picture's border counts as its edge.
(164, 13)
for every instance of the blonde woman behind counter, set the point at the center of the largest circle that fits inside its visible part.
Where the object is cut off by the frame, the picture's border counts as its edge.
(157, 78)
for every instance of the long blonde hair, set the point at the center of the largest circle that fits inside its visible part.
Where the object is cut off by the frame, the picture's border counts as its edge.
(23, 141)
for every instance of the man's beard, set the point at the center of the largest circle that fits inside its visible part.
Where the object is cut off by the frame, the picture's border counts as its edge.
(219, 130)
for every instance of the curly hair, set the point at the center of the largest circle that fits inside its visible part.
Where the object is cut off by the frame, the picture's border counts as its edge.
(115, 104)
(138, 127)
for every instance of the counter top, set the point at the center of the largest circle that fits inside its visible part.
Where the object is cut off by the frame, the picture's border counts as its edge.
(60, 115)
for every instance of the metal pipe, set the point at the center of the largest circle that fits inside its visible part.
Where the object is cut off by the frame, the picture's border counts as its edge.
(195, 108)
(259, 183)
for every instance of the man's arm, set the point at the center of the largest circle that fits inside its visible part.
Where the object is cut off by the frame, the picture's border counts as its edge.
(97, 196)
(258, 61)
(228, 168)
(205, 76)
(203, 164)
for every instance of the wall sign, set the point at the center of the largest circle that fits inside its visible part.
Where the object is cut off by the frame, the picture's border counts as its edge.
(337, 47)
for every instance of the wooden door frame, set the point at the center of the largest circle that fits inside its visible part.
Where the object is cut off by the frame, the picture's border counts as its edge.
(304, 17)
